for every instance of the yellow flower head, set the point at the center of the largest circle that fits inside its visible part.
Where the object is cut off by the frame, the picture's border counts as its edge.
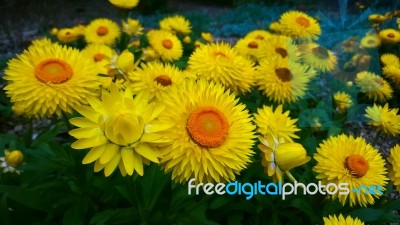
(253, 48)
(155, 78)
(102, 31)
(176, 24)
(279, 46)
(213, 134)
(384, 119)
(207, 36)
(283, 80)
(132, 27)
(277, 27)
(121, 131)
(166, 44)
(389, 36)
(394, 161)
(123, 63)
(374, 86)
(49, 79)
(221, 63)
(67, 35)
(280, 156)
(299, 24)
(124, 4)
(261, 35)
(14, 158)
(334, 220)
(377, 18)
(389, 59)
(370, 41)
(392, 72)
(149, 54)
(100, 54)
(277, 122)
(345, 159)
(343, 101)
(318, 57)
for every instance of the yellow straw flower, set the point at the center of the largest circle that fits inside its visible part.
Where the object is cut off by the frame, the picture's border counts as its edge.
(389, 36)
(67, 35)
(370, 41)
(213, 134)
(252, 48)
(392, 72)
(123, 63)
(207, 36)
(102, 31)
(166, 44)
(334, 220)
(389, 59)
(101, 55)
(374, 86)
(132, 27)
(261, 35)
(124, 4)
(46, 80)
(280, 46)
(318, 57)
(394, 161)
(377, 18)
(176, 24)
(11, 161)
(345, 159)
(343, 101)
(299, 24)
(121, 131)
(277, 122)
(384, 119)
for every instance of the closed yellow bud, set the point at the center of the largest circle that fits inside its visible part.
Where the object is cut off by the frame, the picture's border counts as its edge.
(187, 40)
(125, 62)
(124, 128)
(14, 158)
(207, 37)
(290, 155)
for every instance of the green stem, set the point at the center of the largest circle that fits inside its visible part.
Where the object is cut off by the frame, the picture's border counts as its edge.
(66, 121)
(376, 138)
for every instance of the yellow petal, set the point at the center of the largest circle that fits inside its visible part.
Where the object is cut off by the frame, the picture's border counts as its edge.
(88, 112)
(122, 168)
(98, 166)
(154, 138)
(82, 122)
(86, 132)
(93, 154)
(110, 166)
(149, 128)
(127, 159)
(96, 104)
(89, 142)
(150, 153)
(137, 163)
(109, 153)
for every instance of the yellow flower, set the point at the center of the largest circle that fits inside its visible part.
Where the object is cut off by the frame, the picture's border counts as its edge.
(279, 156)
(176, 24)
(279, 46)
(277, 122)
(389, 59)
(389, 36)
(394, 160)
(374, 86)
(370, 41)
(187, 40)
(11, 161)
(166, 44)
(54, 31)
(345, 159)
(67, 35)
(318, 57)
(155, 78)
(207, 36)
(222, 64)
(101, 55)
(121, 131)
(334, 220)
(213, 134)
(299, 24)
(283, 80)
(392, 72)
(343, 101)
(124, 4)
(102, 31)
(252, 48)
(384, 119)
(123, 63)
(261, 35)
(377, 18)
(132, 27)
(149, 54)
(50, 79)
(40, 42)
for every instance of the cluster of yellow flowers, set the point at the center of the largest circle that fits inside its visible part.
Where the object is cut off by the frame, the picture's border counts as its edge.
(146, 110)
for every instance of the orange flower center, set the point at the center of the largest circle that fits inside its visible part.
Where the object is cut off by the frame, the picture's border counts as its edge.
(98, 57)
(302, 21)
(208, 127)
(102, 30)
(163, 80)
(53, 70)
(259, 37)
(390, 35)
(282, 52)
(252, 44)
(283, 74)
(357, 165)
(320, 52)
(167, 44)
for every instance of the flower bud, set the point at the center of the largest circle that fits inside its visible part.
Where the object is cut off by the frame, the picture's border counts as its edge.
(290, 155)
(14, 158)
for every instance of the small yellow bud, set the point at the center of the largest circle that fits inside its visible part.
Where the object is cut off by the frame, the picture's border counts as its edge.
(14, 158)
(207, 36)
(290, 155)
(125, 62)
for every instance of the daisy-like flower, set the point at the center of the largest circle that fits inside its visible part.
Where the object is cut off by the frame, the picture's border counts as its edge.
(261, 35)
(377, 18)
(123, 63)
(384, 119)
(67, 35)
(124, 4)
(279, 156)
(342, 100)
(370, 41)
(213, 134)
(121, 131)
(374, 86)
(283, 80)
(250, 47)
(277, 122)
(221, 63)
(166, 44)
(102, 31)
(49, 79)
(394, 171)
(318, 57)
(299, 24)
(279, 46)
(41, 42)
(149, 54)
(100, 54)
(155, 78)
(389, 36)
(11, 161)
(176, 24)
(345, 159)
(277, 27)
(392, 72)
(132, 27)
(334, 220)
(389, 59)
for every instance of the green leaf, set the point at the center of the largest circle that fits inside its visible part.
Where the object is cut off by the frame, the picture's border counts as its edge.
(334, 131)
(33, 199)
(305, 207)
(115, 216)
(235, 219)
(368, 214)
(220, 201)
(4, 211)
(47, 135)
(75, 215)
